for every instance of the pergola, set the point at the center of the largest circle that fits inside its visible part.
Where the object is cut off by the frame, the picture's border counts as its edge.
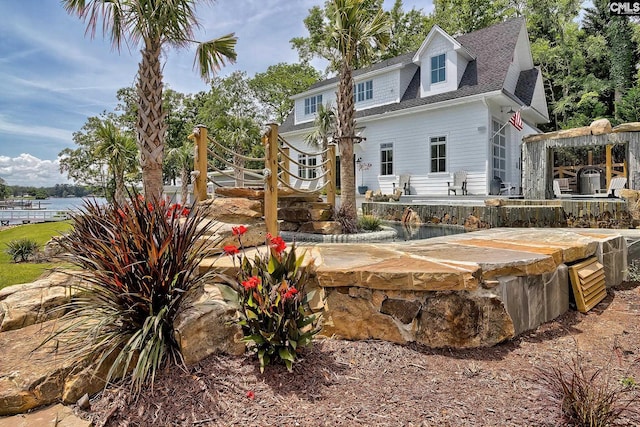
(537, 154)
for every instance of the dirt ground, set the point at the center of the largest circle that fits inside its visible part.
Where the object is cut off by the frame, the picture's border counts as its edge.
(374, 383)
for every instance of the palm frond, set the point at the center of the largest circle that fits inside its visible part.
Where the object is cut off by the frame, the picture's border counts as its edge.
(211, 55)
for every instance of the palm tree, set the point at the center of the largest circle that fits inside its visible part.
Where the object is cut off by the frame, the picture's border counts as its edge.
(120, 150)
(354, 34)
(182, 158)
(324, 126)
(153, 24)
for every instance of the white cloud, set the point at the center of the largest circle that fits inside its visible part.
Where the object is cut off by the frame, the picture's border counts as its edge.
(28, 170)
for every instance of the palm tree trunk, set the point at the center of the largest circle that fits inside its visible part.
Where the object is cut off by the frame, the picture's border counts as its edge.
(346, 128)
(151, 125)
(184, 188)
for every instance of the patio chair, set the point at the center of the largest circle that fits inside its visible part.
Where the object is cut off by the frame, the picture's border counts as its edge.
(557, 190)
(459, 183)
(404, 183)
(616, 183)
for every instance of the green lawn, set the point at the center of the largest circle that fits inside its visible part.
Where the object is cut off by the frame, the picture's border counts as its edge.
(12, 273)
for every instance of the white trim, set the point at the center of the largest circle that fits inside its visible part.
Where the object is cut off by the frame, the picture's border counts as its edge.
(457, 47)
(446, 156)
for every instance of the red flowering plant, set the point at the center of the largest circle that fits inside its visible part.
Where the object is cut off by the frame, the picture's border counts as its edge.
(274, 311)
(139, 263)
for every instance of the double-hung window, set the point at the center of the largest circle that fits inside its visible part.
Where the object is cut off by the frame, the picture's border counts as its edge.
(311, 104)
(438, 145)
(363, 91)
(438, 68)
(307, 166)
(386, 158)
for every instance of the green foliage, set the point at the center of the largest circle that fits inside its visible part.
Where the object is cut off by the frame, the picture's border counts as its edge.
(139, 264)
(369, 223)
(273, 302)
(21, 250)
(464, 16)
(12, 273)
(588, 396)
(628, 109)
(275, 87)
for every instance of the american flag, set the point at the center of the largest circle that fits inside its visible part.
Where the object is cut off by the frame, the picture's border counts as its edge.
(516, 120)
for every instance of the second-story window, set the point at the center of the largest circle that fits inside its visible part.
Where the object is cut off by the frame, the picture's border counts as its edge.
(438, 68)
(311, 104)
(363, 91)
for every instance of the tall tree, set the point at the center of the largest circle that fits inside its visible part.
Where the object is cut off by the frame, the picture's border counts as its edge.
(408, 30)
(354, 35)
(153, 24)
(464, 16)
(275, 87)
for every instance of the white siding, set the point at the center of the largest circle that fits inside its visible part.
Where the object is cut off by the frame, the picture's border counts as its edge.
(465, 127)
(386, 90)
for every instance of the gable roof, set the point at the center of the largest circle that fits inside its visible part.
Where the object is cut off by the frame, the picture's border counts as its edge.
(435, 31)
(493, 47)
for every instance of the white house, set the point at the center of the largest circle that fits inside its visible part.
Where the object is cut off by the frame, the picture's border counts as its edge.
(441, 109)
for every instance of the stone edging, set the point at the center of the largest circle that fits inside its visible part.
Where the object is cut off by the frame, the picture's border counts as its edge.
(387, 233)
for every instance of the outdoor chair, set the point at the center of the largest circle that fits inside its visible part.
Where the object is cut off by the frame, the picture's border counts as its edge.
(616, 183)
(459, 183)
(557, 190)
(404, 183)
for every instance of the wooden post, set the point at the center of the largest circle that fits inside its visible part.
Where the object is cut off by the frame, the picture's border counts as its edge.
(286, 164)
(271, 184)
(200, 137)
(608, 164)
(331, 176)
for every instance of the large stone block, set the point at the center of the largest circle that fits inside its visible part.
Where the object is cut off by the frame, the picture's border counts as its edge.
(234, 210)
(208, 327)
(36, 302)
(612, 253)
(600, 127)
(463, 320)
(321, 227)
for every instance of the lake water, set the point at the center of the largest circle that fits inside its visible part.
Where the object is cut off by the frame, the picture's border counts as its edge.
(65, 203)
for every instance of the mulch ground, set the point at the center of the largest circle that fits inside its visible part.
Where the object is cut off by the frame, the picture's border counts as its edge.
(374, 383)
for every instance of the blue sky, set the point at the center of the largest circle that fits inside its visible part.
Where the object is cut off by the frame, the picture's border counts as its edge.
(52, 77)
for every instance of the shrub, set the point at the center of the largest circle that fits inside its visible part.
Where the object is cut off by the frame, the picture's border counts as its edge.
(587, 396)
(139, 264)
(273, 301)
(369, 223)
(20, 250)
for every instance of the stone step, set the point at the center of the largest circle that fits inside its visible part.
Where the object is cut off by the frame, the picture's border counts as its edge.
(53, 416)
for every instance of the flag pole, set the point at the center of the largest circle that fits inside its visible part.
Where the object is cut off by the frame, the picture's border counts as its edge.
(507, 122)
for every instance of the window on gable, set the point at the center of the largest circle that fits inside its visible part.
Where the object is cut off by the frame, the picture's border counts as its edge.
(363, 91)
(307, 166)
(438, 153)
(311, 104)
(386, 159)
(438, 68)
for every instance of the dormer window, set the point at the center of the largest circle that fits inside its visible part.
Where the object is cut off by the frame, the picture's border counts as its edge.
(311, 104)
(438, 68)
(363, 91)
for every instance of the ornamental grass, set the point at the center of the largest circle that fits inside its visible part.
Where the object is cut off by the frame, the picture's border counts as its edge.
(274, 301)
(138, 264)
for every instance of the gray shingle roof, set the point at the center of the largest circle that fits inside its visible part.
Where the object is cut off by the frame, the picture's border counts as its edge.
(493, 48)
